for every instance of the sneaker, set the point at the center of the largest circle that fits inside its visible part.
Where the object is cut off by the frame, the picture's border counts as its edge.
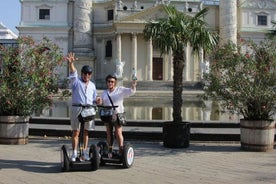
(86, 156)
(74, 157)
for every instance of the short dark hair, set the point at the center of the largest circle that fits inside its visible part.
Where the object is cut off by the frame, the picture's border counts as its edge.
(110, 77)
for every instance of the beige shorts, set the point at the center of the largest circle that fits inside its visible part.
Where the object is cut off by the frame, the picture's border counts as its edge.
(75, 124)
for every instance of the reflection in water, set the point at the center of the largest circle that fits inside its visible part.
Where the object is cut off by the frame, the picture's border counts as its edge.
(155, 109)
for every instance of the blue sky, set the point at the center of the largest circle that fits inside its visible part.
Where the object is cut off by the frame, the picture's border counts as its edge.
(10, 12)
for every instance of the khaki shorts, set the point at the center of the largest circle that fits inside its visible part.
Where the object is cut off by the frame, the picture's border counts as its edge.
(75, 124)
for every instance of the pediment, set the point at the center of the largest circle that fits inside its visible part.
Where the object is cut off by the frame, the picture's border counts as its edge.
(153, 13)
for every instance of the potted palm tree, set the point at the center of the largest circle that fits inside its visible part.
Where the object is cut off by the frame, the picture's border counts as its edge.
(243, 80)
(28, 78)
(174, 33)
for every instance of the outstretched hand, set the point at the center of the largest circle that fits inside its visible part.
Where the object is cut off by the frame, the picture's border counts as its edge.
(71, 57)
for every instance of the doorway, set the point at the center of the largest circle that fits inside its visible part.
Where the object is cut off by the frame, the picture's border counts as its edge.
(157, 69)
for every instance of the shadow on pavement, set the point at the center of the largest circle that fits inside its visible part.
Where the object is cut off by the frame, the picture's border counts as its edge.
(30, 166)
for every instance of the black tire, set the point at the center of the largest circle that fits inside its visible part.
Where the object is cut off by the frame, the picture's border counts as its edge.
(103, 149)
(128, 156)
(65, 162)
(94, 157)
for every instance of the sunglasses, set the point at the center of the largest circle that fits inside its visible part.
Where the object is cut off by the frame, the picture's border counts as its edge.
(89, 73)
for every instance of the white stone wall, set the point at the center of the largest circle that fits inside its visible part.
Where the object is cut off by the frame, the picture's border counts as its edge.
(30, 13)
(249, 28)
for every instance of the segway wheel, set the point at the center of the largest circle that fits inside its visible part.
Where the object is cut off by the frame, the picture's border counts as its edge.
(65, 162)
(128, 156)
(103, 149)
(94, 157)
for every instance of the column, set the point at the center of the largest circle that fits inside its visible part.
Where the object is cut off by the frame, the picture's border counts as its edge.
(170, 65)
(228, 21)
(134, 50)
(149, 59)
(134, 113)
(119, 47)
(187, 67)
(149, 113)
(82, 26)
(201, 63)
(102, 50)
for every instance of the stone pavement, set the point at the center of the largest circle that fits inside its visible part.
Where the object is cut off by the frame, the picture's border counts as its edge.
(203, 162)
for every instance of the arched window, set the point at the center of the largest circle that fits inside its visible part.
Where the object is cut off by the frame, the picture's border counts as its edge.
(108, 49)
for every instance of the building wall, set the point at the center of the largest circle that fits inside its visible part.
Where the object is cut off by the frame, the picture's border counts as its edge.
(248, 18)
(56, 28)
(67, 26)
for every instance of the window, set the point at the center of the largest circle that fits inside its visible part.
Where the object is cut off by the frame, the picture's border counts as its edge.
(110, 15)
(108, 49)
(44, 14)
(262, 20)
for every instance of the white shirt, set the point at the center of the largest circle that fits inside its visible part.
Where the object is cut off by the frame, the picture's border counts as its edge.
(117, 96)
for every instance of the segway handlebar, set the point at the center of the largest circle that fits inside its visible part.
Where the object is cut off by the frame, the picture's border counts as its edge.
(107, 107)
(84, 106)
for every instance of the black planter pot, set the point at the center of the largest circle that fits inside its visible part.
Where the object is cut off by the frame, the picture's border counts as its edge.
(176, 135)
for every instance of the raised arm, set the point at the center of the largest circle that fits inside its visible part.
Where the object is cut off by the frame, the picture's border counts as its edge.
(71, 58)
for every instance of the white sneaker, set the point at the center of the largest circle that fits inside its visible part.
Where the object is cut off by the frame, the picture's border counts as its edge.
(86, 156)
(74, 157)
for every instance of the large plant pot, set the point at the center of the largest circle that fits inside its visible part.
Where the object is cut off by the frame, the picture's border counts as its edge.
(257, 135)
(176, 135)
(14, 130)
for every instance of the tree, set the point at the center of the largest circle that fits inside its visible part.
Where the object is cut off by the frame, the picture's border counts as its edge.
(29, 76)
(175, 32)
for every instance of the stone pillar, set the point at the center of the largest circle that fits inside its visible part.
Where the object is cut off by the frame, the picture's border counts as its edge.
(201, 63)
(82, 35)
(187, 68)
(170, 66)
(228, 21)
(134, 113)
(119, 47)
(149, 60)
(82, 27)
(134, 51)
(150, 113)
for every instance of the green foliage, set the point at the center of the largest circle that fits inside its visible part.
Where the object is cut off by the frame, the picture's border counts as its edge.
(29, 76)
(174, 33)
(243, 78)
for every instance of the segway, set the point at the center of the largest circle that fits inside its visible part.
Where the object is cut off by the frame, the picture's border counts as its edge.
(110, 154)
(80, 163)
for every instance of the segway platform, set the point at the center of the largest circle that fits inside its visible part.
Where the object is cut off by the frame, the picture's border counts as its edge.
(107, 156)
(125, 159)
(80, 163)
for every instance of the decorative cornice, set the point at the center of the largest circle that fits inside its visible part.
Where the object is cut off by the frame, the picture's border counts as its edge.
(258, 4)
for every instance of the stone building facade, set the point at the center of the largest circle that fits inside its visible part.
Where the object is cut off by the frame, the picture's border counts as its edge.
(108, 34)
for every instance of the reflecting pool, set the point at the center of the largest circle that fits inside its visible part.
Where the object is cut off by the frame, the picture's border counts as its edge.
(156, 108)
